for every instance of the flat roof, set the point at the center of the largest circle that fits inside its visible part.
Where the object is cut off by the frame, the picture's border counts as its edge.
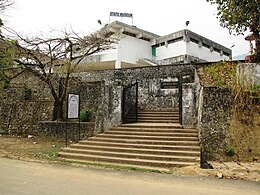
(192, 35)
(159, 39)
(132, 29)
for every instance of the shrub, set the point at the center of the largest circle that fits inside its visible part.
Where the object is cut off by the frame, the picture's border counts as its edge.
(86, 115)
(229, 151)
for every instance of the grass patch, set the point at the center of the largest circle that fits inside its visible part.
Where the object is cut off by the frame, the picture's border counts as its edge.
(43, 154)
(229, 151)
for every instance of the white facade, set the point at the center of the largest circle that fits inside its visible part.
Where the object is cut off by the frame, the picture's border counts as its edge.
(137, 47)
(171, 50)
(131, 49)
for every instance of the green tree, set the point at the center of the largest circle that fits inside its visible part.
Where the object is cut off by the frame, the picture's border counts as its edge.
(5, 52)
(239, 16)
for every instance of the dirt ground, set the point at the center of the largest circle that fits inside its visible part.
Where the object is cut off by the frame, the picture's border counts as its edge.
(45, 150)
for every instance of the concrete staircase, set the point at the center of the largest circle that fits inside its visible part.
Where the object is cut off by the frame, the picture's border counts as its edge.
(156, 141)
(150, 116)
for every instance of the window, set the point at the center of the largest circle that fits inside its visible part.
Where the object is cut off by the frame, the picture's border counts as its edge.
(161, 44)
(226, 54)
(155, 46)
(206, 45)
(145, 39)
(194, 40)
(216, 49)
(129, 34)
(175, 40)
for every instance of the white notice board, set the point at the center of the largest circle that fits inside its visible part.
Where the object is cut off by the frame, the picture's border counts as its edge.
(73, 106)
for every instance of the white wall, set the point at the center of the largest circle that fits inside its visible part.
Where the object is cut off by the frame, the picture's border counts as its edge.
(204, 53)
(173, 50)
(109, 55)
(132, 49)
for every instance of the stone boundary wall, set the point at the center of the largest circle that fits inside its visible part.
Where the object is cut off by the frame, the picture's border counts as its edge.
(100, 90)
(150, 95)
(28, 101)
(19, 116)
(58, 130)
(214, 117)
(248, 74)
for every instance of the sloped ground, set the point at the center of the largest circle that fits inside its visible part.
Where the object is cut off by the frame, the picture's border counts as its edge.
(228, 170)
(29, 148)
(46, 150)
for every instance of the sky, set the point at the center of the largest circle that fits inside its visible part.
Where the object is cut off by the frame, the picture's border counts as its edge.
(31, 17)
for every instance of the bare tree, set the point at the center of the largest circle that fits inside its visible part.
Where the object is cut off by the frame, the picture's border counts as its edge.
(3, 5)
(63, 54)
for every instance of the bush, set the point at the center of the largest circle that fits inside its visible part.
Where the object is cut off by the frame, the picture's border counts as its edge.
(229, 151)
(86, 115)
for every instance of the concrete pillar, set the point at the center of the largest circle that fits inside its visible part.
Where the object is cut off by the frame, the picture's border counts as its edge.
(118, 64)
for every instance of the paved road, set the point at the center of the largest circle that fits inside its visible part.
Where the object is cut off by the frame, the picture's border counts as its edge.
(18, 177)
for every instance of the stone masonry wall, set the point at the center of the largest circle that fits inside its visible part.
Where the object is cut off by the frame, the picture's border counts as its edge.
(28, 101)
(151, 96)
(214, 121)
(74, 130)
(99, 90)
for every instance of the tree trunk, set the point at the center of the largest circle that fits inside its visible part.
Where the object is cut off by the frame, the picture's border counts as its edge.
(58, 110)
(257, 45)
(58, 103)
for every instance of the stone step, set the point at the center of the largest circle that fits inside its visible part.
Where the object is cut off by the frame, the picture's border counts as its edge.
(124, 165)
(142, 141)
(152, 138)
(141, 133)
(147, 120)
(135, 150)
(157, 112)
(142, 162)
(156, 140)
(153, 125)
(187, 147)
(157, 115)
(152, 130)
(132, 155)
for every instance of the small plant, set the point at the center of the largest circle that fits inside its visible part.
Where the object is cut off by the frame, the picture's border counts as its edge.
(229, 151)
(3, 132)
(86, 115)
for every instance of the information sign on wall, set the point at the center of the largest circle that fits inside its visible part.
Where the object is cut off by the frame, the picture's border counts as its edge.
(73, 106)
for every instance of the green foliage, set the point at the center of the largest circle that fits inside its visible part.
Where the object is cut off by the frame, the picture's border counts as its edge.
(244, 99)
(239, 16)
(229, 151)
(222, 74)
(3, 132)
(6, 57)
(6, 62)
(86, 115)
